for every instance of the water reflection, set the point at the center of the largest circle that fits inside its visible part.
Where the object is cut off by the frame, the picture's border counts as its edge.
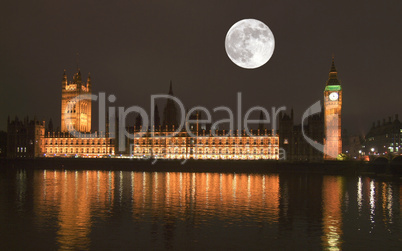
(89, 209)
(71, 197)
(332, 215)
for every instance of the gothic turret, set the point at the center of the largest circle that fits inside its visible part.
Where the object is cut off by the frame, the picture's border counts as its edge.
(76, 114)
(89, 86)
(77, 78)
(64, 81)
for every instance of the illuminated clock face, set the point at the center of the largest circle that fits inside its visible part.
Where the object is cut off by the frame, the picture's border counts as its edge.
(333, 96)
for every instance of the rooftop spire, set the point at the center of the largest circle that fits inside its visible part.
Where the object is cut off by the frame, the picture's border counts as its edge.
(333, 74)
(64, 80)
(89, 80)
(77, 77)
(333, 68)
(171, 88)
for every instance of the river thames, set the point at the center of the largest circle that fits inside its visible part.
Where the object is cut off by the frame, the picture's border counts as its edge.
(49, 209)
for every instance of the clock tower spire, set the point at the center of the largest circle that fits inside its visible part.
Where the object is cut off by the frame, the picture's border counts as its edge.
(333, 120)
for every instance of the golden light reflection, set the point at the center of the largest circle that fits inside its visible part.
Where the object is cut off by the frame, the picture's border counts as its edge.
(202, 192)
(70, 198)
(74, 198)
(332, 213)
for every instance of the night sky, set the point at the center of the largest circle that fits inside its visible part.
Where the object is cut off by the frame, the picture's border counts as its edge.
(134, 48)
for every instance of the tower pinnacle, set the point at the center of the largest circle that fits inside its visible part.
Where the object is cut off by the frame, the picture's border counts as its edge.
(89, 81)
(171, 88)
(333, 68)
(333, 74)
(64, 81)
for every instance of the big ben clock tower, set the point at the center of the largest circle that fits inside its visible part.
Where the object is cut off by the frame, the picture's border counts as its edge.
(333, 108)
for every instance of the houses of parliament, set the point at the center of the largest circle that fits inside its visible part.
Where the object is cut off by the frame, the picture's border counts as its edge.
(33, 139)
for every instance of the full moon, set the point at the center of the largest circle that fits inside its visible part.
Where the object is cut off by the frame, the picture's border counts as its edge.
(249, 43)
